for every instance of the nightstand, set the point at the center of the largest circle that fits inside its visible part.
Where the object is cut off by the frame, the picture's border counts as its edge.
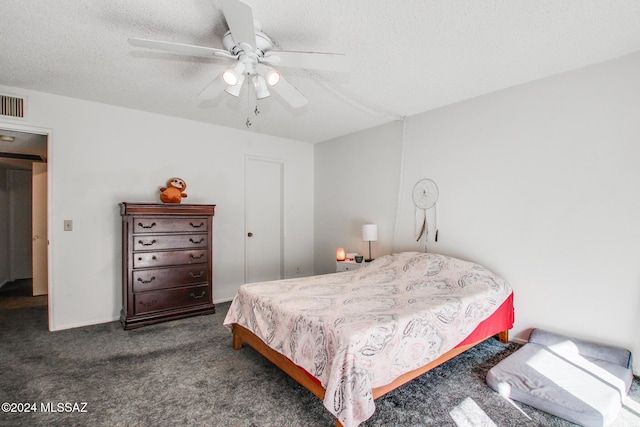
(348, 265)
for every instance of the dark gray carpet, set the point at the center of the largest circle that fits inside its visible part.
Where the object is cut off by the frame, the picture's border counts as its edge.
(185, 373)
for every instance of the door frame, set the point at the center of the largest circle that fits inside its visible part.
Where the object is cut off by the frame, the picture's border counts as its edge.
(39, 219)
(18, 127)
(280, 162)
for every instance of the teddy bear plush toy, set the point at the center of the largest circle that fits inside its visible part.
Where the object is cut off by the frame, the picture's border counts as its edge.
(173, 193)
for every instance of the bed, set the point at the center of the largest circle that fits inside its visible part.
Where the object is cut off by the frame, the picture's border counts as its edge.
(352, 337)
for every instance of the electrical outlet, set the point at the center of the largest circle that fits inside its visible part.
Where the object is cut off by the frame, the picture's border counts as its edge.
(68, 225)
(297, 269)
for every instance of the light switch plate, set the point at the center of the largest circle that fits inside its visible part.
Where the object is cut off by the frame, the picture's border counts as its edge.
(68, 225)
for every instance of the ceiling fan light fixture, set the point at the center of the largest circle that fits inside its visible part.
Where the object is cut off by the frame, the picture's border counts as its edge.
(273, 77)
(230, 77)
(233, 76)
(260, 86)
(235, 89)
(252, 50)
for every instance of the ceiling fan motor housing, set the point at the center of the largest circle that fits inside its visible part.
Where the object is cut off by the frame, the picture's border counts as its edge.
(263, 44)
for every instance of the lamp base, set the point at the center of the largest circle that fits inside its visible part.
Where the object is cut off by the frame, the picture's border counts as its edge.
(369, 259)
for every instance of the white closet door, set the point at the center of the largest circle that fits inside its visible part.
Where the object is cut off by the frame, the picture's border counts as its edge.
(264, 221)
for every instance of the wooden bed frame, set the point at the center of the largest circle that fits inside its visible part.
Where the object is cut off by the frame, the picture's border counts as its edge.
(241, 334)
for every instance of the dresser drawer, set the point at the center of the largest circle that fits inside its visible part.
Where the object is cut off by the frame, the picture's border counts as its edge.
(159, 259)
(169, 241)
(142, 224)
(147, 302)
(160, 278)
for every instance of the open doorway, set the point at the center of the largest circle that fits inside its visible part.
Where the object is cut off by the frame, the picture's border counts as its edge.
(23, 216)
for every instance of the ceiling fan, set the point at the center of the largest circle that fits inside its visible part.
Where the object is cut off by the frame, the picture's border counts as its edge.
(255, 59)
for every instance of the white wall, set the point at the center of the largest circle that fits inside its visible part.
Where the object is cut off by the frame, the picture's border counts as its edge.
(100, 155)
(540, 183)
(356, 182)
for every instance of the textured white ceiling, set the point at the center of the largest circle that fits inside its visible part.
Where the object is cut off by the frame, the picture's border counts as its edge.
(407, 56)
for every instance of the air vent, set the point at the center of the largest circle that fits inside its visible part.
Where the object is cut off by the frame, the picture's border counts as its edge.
(18, 156)
(11, 106)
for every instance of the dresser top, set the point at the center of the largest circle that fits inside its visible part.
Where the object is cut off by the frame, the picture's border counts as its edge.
(128, 208)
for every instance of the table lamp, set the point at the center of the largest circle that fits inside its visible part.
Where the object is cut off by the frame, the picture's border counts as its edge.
(369, 234)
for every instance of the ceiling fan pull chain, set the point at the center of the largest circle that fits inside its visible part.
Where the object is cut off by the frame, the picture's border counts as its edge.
(248, 122)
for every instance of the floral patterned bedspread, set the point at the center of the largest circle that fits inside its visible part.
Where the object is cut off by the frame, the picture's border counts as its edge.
(362, 329)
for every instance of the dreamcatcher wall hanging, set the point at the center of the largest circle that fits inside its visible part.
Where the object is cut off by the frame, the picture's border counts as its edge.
(425, 195)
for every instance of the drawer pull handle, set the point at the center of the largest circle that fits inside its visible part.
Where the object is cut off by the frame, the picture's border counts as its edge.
(198, 242)
(196, 257)
(196, 226)
(149, 304)
(198, 297)
(196, 276)
(153, 224)
(147, 244)
(146, 281)
(153, 258)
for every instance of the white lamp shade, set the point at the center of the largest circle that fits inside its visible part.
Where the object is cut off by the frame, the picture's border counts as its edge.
(370, 232)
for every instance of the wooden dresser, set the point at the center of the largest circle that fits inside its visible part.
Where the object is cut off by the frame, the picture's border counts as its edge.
(166, 262)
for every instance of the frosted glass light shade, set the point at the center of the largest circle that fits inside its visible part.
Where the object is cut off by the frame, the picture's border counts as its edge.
(260, 86)
(273, 77)
(232, 76)
(369, 232)
(235, 90)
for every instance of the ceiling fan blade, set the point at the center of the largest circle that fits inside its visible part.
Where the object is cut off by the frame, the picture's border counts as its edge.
(289, 93)
(311, 60)
(182, 49)
(213, 89)
(239, 17)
